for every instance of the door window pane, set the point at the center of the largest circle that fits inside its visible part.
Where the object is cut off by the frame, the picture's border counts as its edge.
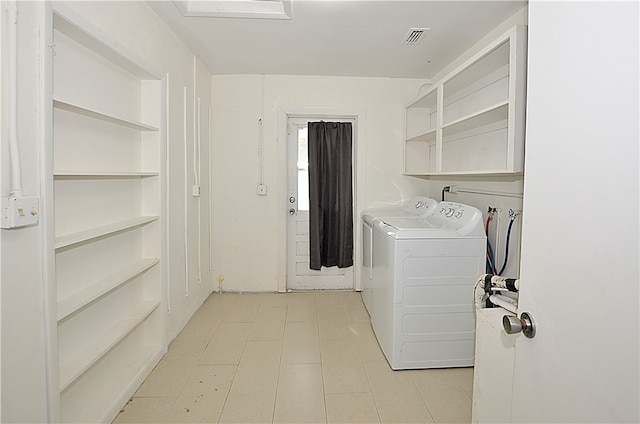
(303, 170)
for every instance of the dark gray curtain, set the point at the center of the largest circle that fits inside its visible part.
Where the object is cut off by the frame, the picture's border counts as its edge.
(330, 194)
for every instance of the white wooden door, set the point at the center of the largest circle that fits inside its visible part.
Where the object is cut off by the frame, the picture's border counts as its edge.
(580, 251)
(299, 275)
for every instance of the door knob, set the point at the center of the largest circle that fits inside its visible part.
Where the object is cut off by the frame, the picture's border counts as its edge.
(525, 323)
(292, 211)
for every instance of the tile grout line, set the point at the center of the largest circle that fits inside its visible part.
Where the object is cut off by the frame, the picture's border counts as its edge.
(433, 418)
(324, 392)
(236, 367)
(275, 397)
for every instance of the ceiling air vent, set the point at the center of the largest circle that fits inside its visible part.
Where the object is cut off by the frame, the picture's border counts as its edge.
(415, 35)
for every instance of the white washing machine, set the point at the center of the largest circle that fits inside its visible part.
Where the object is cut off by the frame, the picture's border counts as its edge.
(423, 273)
(418, 206)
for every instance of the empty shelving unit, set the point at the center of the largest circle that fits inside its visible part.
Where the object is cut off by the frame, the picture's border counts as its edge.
(108, 150)
(472, 121)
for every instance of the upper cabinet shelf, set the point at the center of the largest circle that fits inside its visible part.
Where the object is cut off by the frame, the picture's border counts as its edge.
(472, 121)
(421, 117)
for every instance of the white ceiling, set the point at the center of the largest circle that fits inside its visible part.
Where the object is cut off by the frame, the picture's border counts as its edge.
(340, 37)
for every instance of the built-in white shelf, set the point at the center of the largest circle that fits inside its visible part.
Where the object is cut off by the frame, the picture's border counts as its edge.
(105, 117)
(471, 122)
(481, 118)
(109, 147)
(86, 175)
(426, 137)
(73, 368)
(103, 230)
(96, 290)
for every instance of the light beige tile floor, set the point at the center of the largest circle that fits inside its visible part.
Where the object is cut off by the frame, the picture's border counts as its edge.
(291, 358)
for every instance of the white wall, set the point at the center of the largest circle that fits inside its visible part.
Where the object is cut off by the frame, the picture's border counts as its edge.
(246, 225)
(24, 276)
(21, 281)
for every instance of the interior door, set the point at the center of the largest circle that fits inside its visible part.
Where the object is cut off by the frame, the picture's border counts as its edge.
(299, 275)
(579, 274)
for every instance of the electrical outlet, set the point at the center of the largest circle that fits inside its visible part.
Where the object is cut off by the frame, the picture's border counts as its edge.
(196, 190)
(20, 211)
(261, 190)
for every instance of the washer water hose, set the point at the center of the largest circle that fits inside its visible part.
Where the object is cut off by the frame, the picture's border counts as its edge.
(490, 255)
(491, 258)
(512, 215)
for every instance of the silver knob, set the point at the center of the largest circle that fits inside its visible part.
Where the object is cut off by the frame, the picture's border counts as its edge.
(525, 323)
(292, 211)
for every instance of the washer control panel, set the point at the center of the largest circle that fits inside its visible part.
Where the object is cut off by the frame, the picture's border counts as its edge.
(452, 210)
(458, 216)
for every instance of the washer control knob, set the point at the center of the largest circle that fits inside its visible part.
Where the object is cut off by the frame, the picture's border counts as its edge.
(458, 214)
(449, 213)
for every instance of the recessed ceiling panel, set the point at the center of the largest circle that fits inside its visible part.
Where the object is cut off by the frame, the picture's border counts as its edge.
(250, 9)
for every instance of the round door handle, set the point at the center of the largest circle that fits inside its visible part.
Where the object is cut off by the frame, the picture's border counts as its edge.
(292, 211)
(514, 325)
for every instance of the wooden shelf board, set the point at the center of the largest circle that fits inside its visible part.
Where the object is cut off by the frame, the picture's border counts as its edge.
(485, 116)
(427, 100)
(81, 110)
(96, 290)
(428, 137)
(478, 67)
(68, 175)
(85, 358)
(103, 230)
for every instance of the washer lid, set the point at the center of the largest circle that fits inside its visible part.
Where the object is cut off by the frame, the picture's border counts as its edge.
(417, 206)
(413, 224)
(451, 220)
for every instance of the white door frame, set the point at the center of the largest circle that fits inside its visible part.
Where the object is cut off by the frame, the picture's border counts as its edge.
(284, 113)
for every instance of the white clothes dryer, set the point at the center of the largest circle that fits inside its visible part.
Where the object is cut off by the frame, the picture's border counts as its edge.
(423, 275)
(418, 206)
